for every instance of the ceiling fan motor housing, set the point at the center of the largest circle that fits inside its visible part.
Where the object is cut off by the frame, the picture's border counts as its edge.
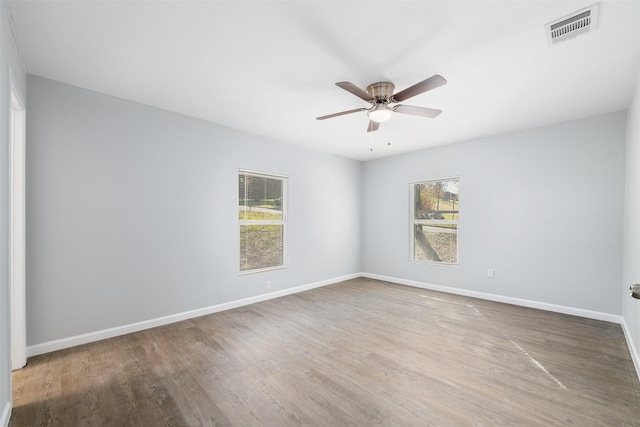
(381, 91)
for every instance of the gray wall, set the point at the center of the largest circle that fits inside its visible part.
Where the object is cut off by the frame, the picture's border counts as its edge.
(132, 212)
(631, 274)
(9, 60)
(542, 207)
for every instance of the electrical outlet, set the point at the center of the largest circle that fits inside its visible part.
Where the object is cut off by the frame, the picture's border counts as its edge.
(490, 272)
(268, 284)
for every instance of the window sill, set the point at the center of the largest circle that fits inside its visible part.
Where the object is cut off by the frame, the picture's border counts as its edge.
(262, 270)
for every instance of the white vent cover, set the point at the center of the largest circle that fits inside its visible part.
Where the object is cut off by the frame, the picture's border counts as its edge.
(572, 25)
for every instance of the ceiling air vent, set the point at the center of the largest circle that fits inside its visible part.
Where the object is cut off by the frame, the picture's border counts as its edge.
(572, 25)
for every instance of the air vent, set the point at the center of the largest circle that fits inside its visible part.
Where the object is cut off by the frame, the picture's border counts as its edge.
(572, 25)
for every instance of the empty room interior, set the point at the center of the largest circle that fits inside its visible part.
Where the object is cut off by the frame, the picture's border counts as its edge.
(268, 213)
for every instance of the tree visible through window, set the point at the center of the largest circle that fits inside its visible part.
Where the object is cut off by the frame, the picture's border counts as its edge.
(435, 209)
(262, 215)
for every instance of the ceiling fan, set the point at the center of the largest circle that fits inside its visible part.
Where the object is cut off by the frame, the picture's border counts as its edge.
(380, 95)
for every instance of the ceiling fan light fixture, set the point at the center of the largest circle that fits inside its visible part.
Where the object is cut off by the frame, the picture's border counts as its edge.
(380, 113)
(381, 97)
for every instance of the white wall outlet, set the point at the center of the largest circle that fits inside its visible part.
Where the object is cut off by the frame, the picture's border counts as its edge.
(490, 272)
(268, 284)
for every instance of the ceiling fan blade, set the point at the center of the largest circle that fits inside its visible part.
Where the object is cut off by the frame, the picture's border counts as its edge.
(342, 113)
(350, 87)
(417, 111)
(418, 88)
(373, 126)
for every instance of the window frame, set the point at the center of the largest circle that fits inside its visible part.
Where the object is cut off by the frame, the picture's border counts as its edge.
(413, 222)
(283, 222)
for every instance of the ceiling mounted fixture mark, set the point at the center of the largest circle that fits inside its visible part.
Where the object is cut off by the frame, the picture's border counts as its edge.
(572, 25)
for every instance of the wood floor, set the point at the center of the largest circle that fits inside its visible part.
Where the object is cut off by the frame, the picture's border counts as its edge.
(358, 353)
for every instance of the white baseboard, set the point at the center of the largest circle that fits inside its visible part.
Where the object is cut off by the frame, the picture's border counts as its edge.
(499, 298)
(632, 347)
(6, 414)
(60, 344)
(152, 323)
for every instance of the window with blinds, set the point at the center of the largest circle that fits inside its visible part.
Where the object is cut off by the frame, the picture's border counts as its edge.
(435, 210)
(262, 201)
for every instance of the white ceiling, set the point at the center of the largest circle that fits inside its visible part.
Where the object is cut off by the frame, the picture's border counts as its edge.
(269, 67)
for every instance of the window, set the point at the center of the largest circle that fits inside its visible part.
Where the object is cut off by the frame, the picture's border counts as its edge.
(262, 214)
(435, 207)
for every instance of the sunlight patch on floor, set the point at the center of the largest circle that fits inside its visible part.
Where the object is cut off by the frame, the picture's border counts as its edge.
(515, 344)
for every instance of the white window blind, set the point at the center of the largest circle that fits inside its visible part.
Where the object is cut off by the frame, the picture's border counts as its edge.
(262, 201)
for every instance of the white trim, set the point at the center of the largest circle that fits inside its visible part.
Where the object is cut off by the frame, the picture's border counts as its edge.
(16, 41)
(60, 344)
(262, 270)
(499, 298)
(263, 174)
(447, 178)
(413, 221)
(17, 239)
(152, 323)
(6, 415)
(281, 222)
(632, 347)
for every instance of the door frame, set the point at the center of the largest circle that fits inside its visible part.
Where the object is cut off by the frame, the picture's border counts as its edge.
(17, 234)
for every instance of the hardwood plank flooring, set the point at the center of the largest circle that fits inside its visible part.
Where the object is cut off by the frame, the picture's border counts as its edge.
(358, 353)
